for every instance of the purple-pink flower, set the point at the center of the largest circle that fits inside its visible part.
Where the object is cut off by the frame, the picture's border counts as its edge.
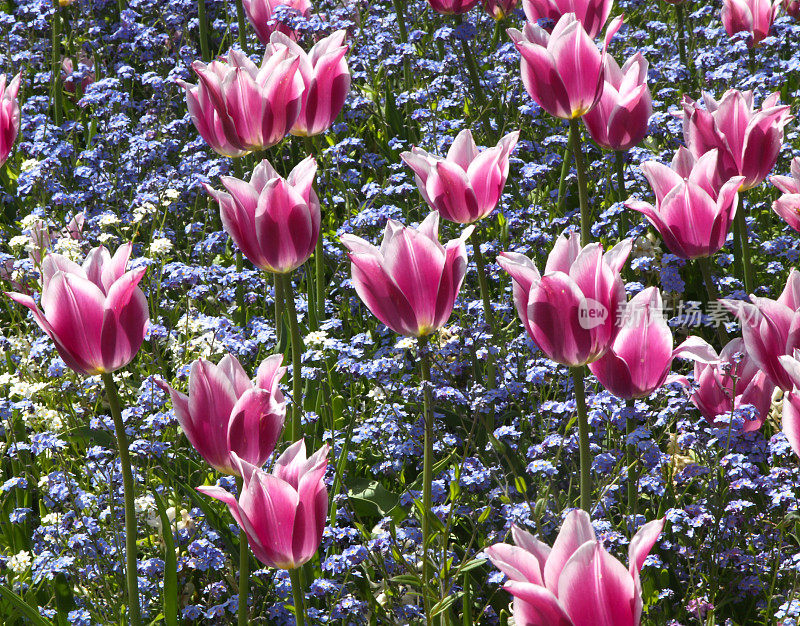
(748, 139)
(260, 15)
(592, 14)
(452, 7)
(563, 70)
(619, 120)
(788, 205)
(576, 582)
(750, 16)
(9, 115)
(692, 213)
(238, 107)
(467, 185)
(274, 221)
(411, 282)
(499, 9)
(95, 313)
(283, 512)
(225, 413)
(571, 310)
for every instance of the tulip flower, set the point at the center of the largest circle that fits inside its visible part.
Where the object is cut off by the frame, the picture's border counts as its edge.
(283, 512)
(260, 15)
(452, 7)
(9, 115)
(640, 357)
(499, 9)
(788, 205)
(771, 329)
(792, 8)
(95, 313)
(238, 107)
(619, 121)
(225, 414)
(576, 582)
(748, 139)
(728, 381)
(563, 70)
(274, 221)
(750, 16)
(692, 214)
(592, 14)
(467, 185)
(326, 80)
(570, 312)
(411, 282)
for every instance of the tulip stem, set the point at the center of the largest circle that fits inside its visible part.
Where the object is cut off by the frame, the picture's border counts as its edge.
(681, 36)
(472, 69)
(583, 189)
(278, 297)
(744, 248)
(55, 66)
(713, 294)
(201, 18)
(131, 572)
(427, 470)
(240, 21)
(400, 15)
(244, 567)
(487, 305)
(633, 458)
(583, 438)
(297, 594)
(562, 181)
(294, 330)
(319, 256)
(619, 163)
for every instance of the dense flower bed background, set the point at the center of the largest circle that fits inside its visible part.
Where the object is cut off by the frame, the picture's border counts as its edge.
(126, 155)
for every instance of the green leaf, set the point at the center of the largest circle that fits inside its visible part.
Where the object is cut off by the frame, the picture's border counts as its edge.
(25, 609)
(170, 566)
(369, 498)
(444, 604)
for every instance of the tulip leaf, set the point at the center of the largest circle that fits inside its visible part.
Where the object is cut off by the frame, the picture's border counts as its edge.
(371, 499)
(170, 566)
(90, 436)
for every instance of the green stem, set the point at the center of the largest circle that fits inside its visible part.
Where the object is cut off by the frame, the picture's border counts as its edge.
(201, 18)
(240, 19)
(744, 250)
(583, 189)
(681, 36)
(427, 471)
(319, 255)
(399, 11)
(297, 594)
(562, 181)
(619, 163)
(751, 55)
(583, 434)
(632, 462)
(244, 568)
(55, 64)
(472, 69)
(297, 349)
(487, 304)
(713, 294)
(131, 573)
(278, 309)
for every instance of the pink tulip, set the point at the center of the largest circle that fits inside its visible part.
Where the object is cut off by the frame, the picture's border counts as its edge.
(225, 414)
(260, 14)
(576, 582)
(792, 8)
(750, 16)
(724, 384)
(592, 14)
(9, 115)
(499, 9)
(282, 513)
(467, 185)
(452, 7)
(95, 313)
(619, 121)
(571, 311)
(640, 357)
(274, 221)
(326, 81)
(788, 205)
(411, 282)
(692, 214)
(562, 71)
(748, 140)
(771, 329)
(238, 107)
